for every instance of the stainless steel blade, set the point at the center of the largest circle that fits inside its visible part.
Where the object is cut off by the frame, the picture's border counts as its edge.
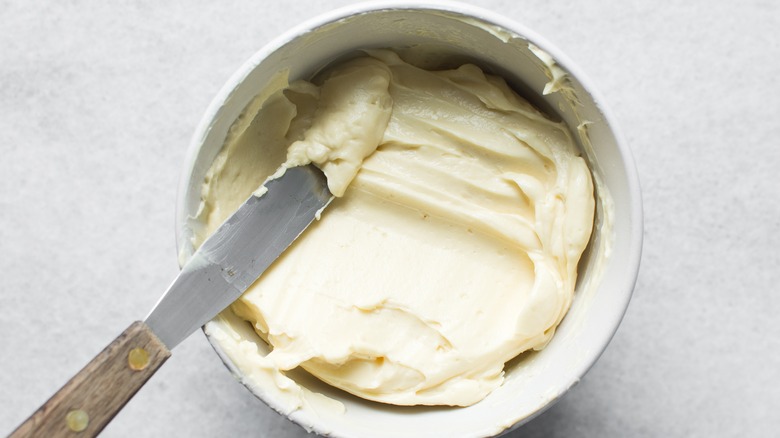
(229, 261)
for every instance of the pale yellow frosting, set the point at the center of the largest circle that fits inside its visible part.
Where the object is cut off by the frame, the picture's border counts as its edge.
(452, 246)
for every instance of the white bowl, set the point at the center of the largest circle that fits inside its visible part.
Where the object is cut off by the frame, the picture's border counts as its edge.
(607, 272)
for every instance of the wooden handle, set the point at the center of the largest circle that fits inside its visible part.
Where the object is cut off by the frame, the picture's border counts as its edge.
(84, 406)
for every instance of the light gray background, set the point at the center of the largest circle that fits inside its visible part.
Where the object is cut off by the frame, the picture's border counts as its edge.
(97, 105)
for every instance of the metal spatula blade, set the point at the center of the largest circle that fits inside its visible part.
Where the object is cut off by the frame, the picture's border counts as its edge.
(241, 249)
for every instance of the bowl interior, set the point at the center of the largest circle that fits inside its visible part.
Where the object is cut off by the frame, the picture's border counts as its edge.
(441, 37)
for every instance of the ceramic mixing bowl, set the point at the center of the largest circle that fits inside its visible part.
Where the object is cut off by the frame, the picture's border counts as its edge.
(543, 75)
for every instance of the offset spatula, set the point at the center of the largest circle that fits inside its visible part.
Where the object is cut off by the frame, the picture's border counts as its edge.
(216, 275)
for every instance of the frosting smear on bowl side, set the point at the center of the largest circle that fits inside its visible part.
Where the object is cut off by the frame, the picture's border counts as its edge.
(452, 246)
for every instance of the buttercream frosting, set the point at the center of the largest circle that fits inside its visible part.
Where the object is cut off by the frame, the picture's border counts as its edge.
(452, 246)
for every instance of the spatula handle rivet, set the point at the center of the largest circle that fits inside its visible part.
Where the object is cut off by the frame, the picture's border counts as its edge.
(138, 359)
(77, 420)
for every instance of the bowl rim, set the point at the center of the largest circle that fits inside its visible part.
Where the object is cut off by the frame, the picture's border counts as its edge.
(635, 211)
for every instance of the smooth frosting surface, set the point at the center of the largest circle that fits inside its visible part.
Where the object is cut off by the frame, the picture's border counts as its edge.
(452, 246)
